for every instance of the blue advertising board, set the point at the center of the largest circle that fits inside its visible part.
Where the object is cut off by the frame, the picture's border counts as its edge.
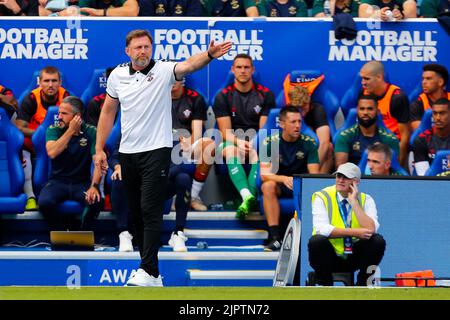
(79, 46)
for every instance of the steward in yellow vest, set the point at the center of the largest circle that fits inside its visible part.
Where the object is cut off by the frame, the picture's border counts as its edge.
(345, 223)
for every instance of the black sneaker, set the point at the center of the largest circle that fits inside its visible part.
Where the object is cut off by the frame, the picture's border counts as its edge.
(274, 245)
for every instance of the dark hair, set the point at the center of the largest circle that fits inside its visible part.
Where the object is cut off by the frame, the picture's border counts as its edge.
(369, 97)
(442, 101)
(380, 148)
(49, 70)
(108, 71)
(284, 111)
(439, 69)
(243, 56)
(137, 34)
(75, 103)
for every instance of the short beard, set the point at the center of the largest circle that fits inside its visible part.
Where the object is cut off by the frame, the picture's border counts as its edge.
(367, 123)
(141, 62)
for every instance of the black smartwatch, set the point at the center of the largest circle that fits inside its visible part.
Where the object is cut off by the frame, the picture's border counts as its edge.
(96, 186)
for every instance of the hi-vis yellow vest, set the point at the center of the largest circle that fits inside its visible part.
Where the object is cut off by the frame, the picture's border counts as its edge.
(328, 196)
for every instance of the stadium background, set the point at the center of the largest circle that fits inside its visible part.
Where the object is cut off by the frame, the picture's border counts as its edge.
(278, 46)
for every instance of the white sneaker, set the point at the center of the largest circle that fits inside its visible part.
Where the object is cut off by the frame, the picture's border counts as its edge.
(143, 279)
(125, 244)
(177, 241)
(198, 205)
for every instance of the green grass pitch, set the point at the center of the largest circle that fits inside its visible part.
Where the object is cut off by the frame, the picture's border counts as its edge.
(221, 293)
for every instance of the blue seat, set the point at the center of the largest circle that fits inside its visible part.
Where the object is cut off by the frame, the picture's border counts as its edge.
(42, 167)
(96, 86)
(12, 198)
(415, 92)
(440, 163)
(395, 165)
(350, 98)
(352, 119)
(425, 124)
(34, 83)
(322, 94)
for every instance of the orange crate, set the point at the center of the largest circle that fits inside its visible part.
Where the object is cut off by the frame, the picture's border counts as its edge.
(424, 278)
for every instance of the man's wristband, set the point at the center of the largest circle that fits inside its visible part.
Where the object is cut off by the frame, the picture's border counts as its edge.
(96, 186)
(210, 56)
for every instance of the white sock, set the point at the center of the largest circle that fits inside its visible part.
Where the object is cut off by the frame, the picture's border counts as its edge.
(245, 193)
(196, 188)
(28, 170)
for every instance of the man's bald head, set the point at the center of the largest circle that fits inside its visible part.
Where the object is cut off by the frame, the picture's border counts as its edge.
(374, 68)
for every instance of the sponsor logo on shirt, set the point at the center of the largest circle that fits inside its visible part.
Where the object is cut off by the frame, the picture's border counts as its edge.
(83, 142)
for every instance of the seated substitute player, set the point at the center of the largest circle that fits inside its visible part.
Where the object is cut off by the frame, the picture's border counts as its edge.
(434, 81)
(297, 154)
(351, 143)
(188, 114)
(70, 146)
(314, 116)
(241, 109)
(432, 140)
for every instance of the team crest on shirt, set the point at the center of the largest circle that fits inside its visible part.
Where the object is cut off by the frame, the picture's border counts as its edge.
(300, 155)
(187, 113)
(83, 142)
(160, 9)
(257, 109)
(233, 111)
(292, 10)
(234, 4)
(150, 77)
(178, 9)
(273, 13)
(356, 146)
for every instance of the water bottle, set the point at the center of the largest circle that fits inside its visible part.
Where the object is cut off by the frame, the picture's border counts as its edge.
(326, 8)
(202, 245)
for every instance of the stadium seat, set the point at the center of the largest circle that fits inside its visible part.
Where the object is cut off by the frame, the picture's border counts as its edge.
(350, 98)
(352, 119)
(96, 86)
(42, 167)
(322, 94)
(12, 198)
(395, 165)
(415, 92)
(425, 124)
(34, 83)
(440, 163)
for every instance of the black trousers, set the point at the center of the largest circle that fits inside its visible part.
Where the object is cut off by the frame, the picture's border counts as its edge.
(324, 261)
(145, 177)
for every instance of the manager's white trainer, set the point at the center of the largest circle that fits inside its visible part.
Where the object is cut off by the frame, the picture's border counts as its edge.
(142, 279)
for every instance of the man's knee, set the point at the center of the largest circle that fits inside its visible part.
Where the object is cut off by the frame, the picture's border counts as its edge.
(377, 242)
(269, 188)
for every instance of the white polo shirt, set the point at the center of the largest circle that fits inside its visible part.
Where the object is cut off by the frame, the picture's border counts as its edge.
(146, 105)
